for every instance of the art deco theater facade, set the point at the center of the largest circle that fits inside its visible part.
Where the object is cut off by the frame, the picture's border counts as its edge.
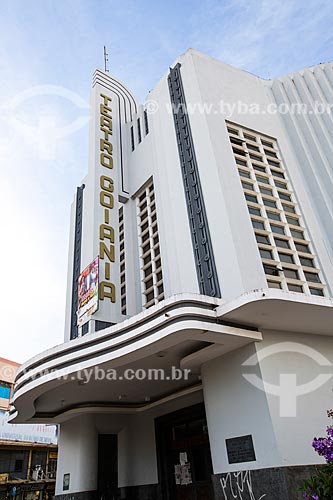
(197, 361)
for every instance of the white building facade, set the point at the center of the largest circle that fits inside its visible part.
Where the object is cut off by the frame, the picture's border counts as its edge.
(204, 368)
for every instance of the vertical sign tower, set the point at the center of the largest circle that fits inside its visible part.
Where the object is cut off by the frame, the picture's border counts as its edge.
(102, 200)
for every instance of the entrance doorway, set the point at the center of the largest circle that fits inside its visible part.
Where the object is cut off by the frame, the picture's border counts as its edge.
(107, 467)
(185, 466)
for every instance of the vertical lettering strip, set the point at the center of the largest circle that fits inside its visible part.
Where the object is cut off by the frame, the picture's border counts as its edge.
(107, 289)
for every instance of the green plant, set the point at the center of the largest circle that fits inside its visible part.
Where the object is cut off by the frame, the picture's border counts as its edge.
(320, 485)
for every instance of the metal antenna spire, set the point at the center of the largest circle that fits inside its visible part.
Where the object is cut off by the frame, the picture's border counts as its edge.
(105, 60)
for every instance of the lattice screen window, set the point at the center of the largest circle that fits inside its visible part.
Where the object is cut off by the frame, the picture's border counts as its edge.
(122, 261)
(284, 245)
(151, 267)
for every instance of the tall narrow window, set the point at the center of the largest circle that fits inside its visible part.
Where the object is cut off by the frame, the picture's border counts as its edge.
(122, 261)
(139, 130)
(132, 138)
(151, 267)
(274, 210)
(145, 116)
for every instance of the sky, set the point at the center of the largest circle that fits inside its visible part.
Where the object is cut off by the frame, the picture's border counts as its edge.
(48, 52)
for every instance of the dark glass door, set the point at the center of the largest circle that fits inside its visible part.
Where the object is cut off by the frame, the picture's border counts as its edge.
(184, 455)
(107, 467)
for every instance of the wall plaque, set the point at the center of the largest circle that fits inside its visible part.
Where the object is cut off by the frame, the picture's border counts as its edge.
(240, 449)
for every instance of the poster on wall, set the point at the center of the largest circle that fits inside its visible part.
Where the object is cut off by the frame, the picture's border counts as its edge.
(88, 292)
(35, 433)
(183, 475)
(65, 482)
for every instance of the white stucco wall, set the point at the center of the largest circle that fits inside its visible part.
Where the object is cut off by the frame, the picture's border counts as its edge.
(208, 82)
(157, 156)
(294, 434)
(78, 448)
(137, 452)
(310, 134)
(235, 408)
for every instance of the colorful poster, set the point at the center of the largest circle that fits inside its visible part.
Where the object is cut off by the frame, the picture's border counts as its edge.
(88, 292)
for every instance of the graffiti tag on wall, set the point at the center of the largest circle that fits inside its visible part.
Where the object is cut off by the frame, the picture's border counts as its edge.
(238, 486)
